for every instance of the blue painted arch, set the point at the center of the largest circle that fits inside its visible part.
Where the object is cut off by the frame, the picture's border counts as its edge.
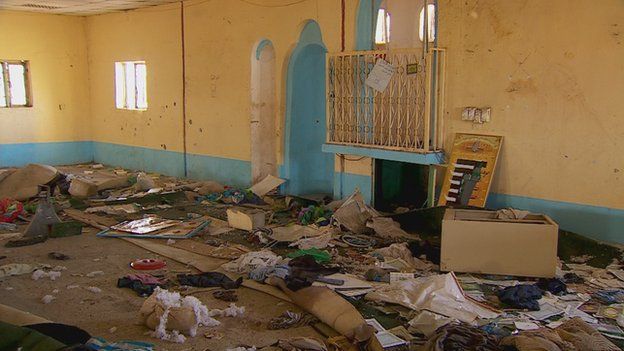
(260, 46)
(365, 24)
(306, 167)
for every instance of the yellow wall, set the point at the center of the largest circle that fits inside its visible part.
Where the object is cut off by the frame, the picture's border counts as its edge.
(220, 36)
(152, 35)
(553, 73)
(56, 48)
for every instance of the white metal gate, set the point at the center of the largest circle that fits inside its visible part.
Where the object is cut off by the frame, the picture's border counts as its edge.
(402, 117)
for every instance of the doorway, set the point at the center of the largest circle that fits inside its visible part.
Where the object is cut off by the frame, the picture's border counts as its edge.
(400, 184)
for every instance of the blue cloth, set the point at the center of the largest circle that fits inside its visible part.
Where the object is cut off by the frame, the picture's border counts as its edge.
(609, 296)
(98, 344)
(521, 296)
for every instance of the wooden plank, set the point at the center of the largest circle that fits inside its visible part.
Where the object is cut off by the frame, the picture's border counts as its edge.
(93, 220)
(227, 253)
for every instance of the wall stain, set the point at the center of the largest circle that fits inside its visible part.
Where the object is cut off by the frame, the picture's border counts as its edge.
(522, 86)
(615, 33)
(500, 29)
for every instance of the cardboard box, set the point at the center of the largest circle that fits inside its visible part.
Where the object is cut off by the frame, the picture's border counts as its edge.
(245, 219)
(475, 241)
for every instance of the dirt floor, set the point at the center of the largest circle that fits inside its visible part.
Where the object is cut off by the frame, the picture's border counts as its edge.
(99, 313)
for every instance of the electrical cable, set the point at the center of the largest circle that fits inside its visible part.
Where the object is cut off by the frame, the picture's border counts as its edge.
(352, 160)
(283, 5)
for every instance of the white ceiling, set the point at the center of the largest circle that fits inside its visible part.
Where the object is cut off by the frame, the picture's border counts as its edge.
(78, 7)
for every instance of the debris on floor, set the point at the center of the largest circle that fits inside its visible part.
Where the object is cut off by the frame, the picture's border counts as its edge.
(343, 272)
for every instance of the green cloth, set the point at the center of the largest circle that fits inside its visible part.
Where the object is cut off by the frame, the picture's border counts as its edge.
(13, 337)
(320, 256)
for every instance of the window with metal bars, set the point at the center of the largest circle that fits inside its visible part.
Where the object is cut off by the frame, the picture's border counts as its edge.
(131, 85)
(15, 84)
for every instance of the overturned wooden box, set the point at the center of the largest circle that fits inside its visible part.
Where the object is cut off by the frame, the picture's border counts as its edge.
(476, 241)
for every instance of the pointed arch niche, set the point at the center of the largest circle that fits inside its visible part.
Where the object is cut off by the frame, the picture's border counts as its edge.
(263, 108)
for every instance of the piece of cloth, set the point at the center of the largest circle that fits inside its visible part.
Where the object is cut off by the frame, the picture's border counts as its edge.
(234, 196)
(99, 344)
(312, 214)
(609, 296)
(225, 295)
(538, 340)
(147, 279)
(321, 256)
(10, 210)
(583, 336)
(573, 278)
(142, 284)
(13, 337)
(251, 261)
(290, 319)
(454, 337)
(304, 270)
(209, 279)
(553, 285)
(66, 334)
(521, 296)
(572, 335)
(261, 273)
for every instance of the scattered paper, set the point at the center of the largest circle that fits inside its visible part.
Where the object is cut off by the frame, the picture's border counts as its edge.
(546, 311)
(387, 339)
(375, 324)
(526, 325)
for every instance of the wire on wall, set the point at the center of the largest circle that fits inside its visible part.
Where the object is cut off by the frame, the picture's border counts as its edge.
(183, 87)
(342, 25)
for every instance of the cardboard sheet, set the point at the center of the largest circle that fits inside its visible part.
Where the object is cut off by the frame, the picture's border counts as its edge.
(266, 185)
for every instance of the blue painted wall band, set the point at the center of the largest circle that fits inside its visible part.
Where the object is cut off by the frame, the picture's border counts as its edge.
(52, 153)
(600, 223)
(225, 170)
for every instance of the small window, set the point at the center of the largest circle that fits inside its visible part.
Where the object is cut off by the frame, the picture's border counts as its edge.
(382, 30)
(131, 85)
(430, 23)
(15, 84)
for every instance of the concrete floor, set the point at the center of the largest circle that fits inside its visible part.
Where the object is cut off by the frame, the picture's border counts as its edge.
(115, 307)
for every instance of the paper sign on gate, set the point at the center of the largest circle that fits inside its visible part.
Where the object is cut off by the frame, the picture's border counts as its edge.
(380, 75)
